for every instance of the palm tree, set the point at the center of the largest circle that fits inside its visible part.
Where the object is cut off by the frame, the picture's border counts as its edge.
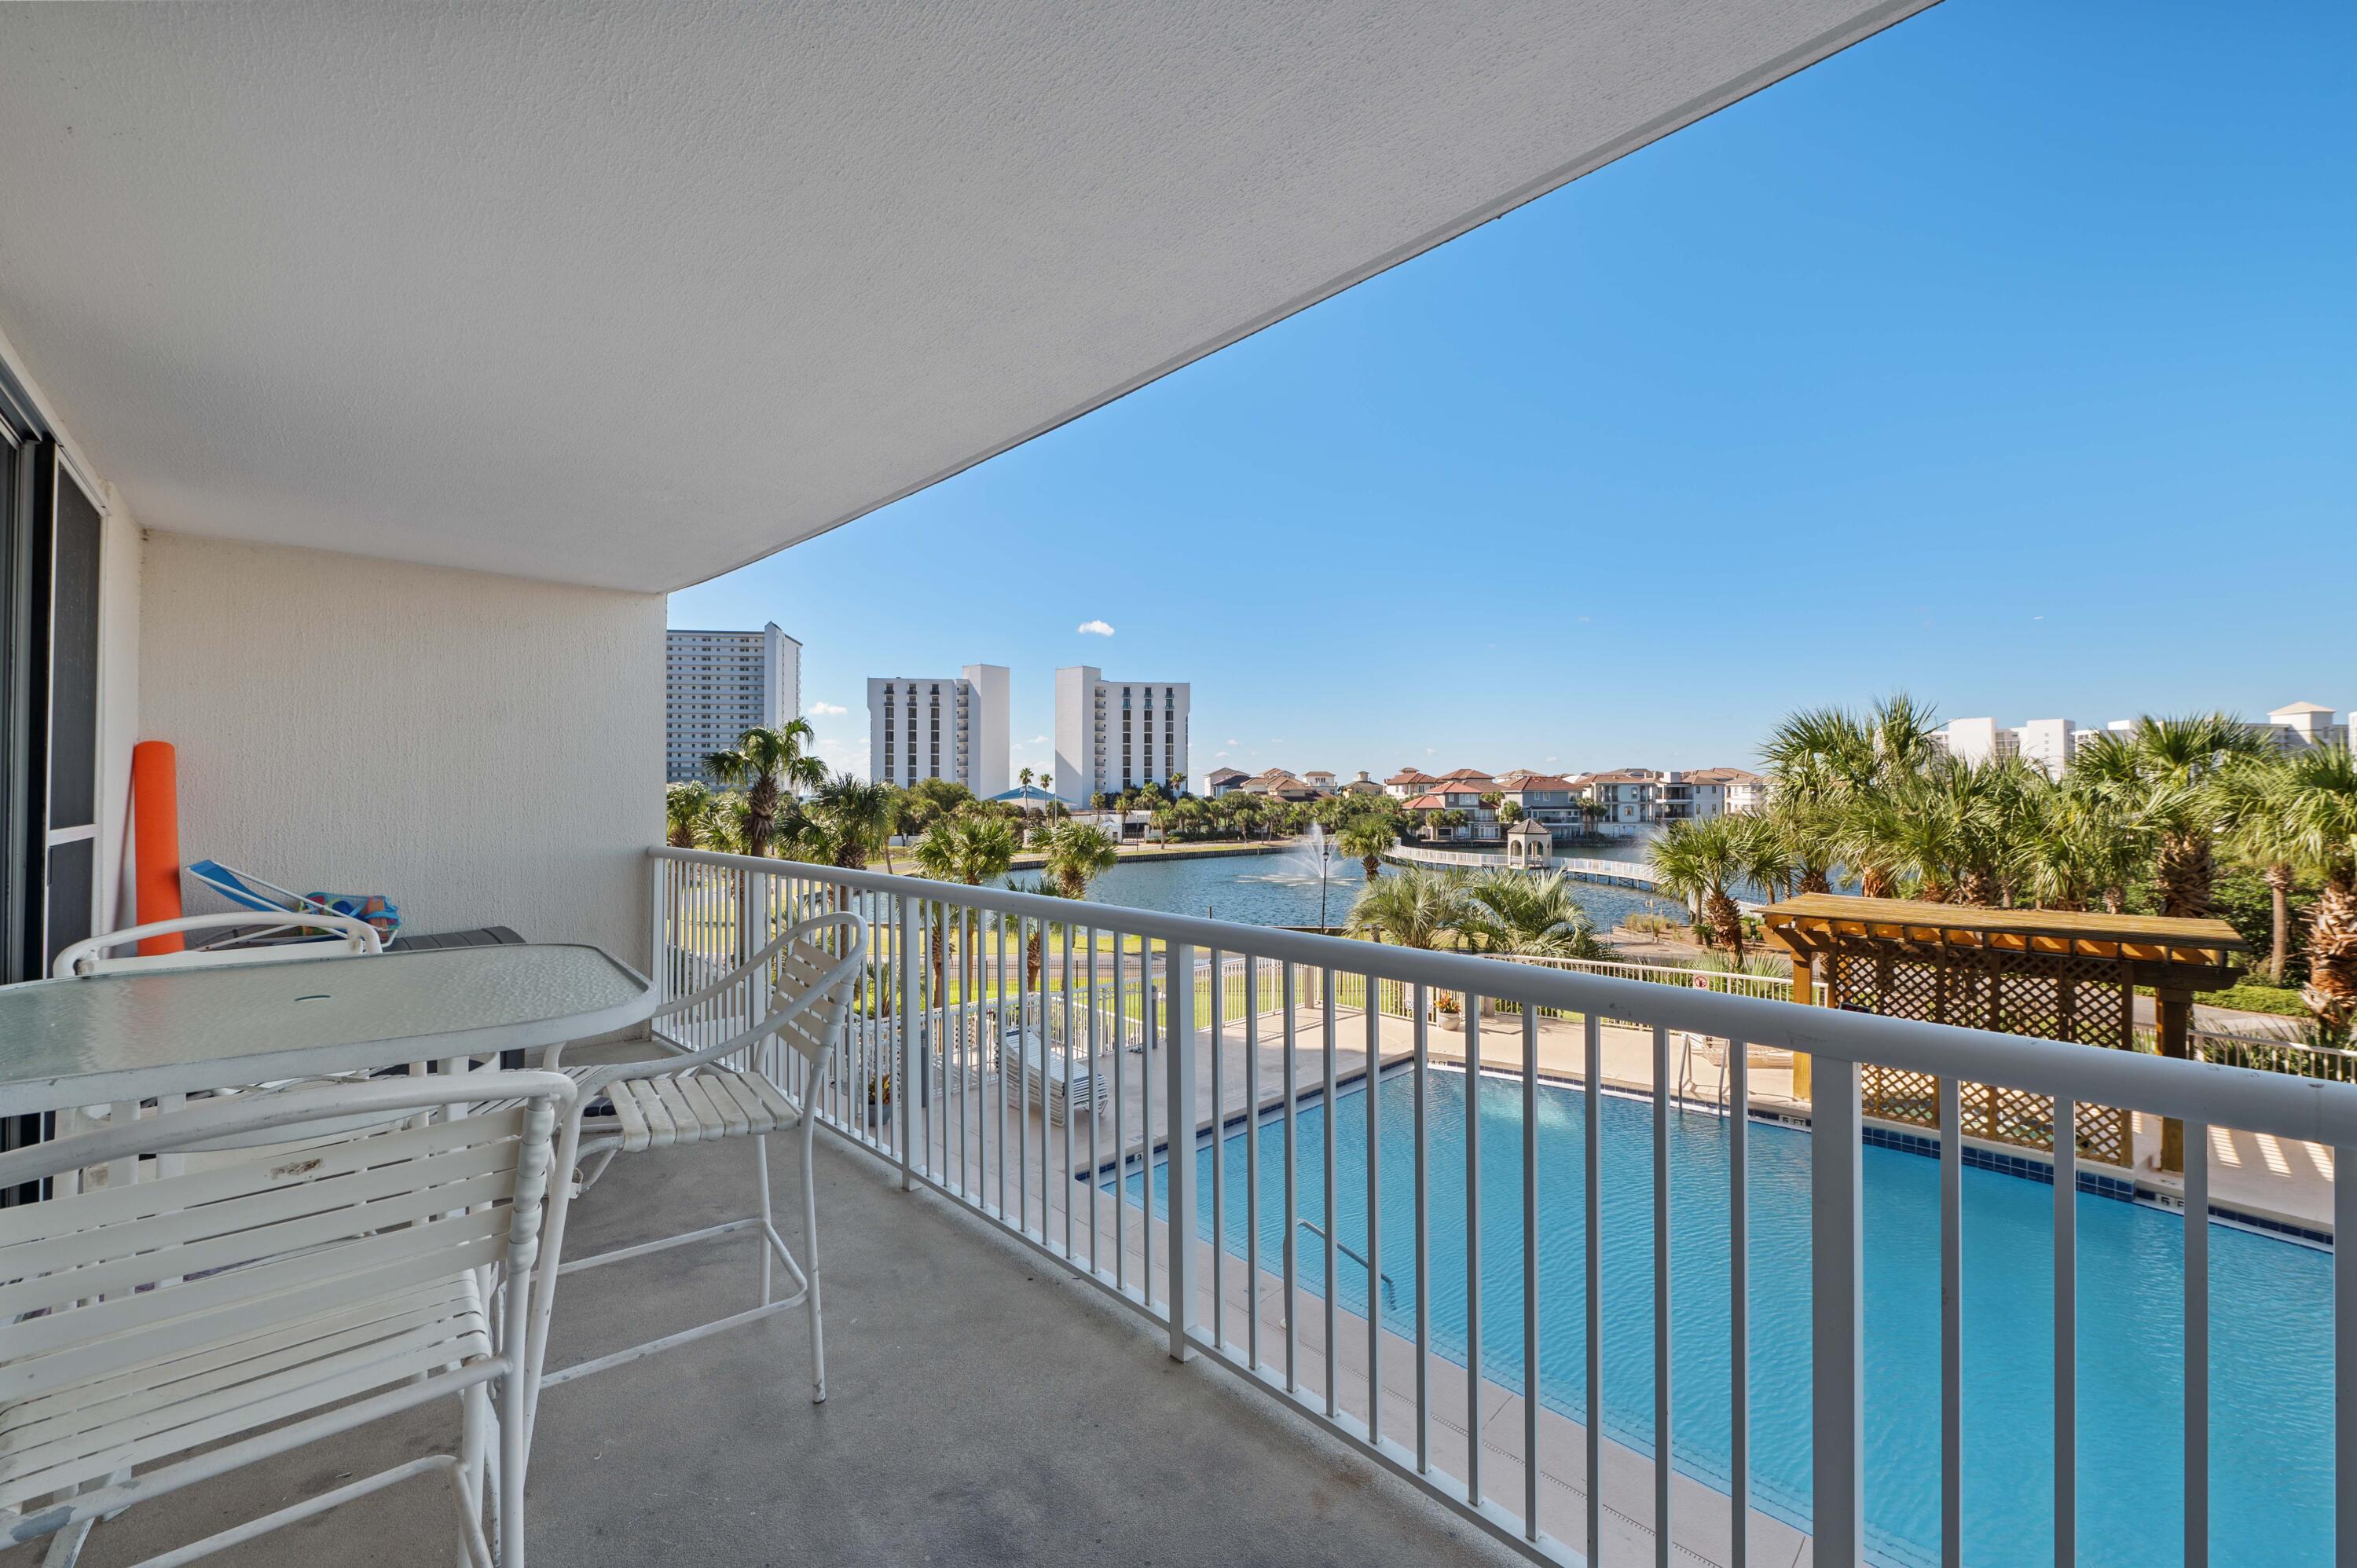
(1035, 945)
(2181, 758)
(1077, 854)
(1414, 908)
(2250, 812)
(1512, 912)
(2317, 798)
(1025, 776)
(857, 816)
(1829, 765)
(726, 824)
(1701, 862)
(1367, 835)
(686, 805)
(2082, 841)
(766, 762)
(973, 848)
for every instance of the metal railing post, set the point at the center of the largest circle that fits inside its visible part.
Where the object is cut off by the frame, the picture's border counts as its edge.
(1178, 1118)
(1837, 1315)
(904, 1071)
(667, 874)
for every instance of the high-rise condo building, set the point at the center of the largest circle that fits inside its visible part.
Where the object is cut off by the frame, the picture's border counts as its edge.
(718, 684)
(940, 727)
(1113, 736)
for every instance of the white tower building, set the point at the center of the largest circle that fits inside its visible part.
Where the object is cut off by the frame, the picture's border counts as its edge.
(940, 727)
(1113, 736)
(718, 684)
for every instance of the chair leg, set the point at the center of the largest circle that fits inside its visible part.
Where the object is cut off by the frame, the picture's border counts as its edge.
(513, 1415)
(761, 1164)
(810, 1268)
(476, 1408)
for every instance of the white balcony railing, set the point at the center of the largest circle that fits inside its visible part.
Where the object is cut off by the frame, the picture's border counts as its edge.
(1445, 1305)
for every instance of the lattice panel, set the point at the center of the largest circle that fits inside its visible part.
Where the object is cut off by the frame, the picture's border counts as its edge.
(2085, 1000)
(1994, 1114)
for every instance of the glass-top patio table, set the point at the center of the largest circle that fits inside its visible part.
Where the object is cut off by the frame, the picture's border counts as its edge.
(134, 1036)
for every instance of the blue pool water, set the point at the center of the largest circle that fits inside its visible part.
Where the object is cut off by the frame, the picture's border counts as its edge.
(2271, 1440)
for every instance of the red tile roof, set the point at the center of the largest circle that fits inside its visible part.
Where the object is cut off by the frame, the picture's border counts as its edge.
(1409, 776)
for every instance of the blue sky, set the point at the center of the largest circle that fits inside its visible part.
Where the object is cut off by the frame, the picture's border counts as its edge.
(2009, 357)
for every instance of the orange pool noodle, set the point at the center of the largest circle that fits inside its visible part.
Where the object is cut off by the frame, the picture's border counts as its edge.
(156, 830)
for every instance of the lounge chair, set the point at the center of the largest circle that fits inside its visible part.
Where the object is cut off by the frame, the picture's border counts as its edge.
(250, 892)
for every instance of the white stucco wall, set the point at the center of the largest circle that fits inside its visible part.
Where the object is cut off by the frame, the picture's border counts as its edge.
(482, 749)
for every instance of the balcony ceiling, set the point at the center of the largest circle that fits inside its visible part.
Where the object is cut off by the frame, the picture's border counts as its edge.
(630, 295)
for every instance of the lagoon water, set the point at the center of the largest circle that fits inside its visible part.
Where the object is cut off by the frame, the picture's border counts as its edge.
(1257, 890)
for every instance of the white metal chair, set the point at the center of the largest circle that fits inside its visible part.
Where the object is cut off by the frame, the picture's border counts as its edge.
(89, 956)
(789, 1004)
(195, 1325)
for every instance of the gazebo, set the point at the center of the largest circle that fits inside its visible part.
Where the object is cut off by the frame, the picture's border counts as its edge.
(2057, 974)
(1530, 845)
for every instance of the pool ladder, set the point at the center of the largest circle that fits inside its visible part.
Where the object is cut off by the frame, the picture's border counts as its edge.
(1391, 1290)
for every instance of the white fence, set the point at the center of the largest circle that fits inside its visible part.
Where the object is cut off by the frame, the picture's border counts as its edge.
(1274, 1046)
(1627, 872)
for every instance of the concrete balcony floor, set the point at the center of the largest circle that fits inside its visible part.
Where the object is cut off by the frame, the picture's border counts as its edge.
(983, 1409)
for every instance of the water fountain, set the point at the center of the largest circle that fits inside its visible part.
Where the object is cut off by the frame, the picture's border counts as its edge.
(1311, 861)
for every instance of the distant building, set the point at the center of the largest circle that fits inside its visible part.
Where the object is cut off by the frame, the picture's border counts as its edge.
(1279, 785)
(2054, 744)
(717, 685)
(1116, 735)
(940, 727)
(1460, 790)
(1318, 778)
(1544, 798)
(1693, 796)
(2298, 726)
(1221, 780)
(1628, 796)
(1362, 785)
(1408, 783)
(1743, 793)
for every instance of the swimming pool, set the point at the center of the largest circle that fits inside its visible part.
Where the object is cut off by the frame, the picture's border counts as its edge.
(2271, 1434)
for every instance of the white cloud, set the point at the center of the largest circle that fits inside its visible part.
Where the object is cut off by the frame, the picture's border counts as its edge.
(1036, 740)
(1234, 741)
(1093, 629)
(1430, 752)
(828, 710)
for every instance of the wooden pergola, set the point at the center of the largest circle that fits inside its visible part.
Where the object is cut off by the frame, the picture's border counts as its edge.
(2056, 974)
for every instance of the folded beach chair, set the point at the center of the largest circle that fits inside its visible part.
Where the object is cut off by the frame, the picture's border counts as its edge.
(250, 892)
